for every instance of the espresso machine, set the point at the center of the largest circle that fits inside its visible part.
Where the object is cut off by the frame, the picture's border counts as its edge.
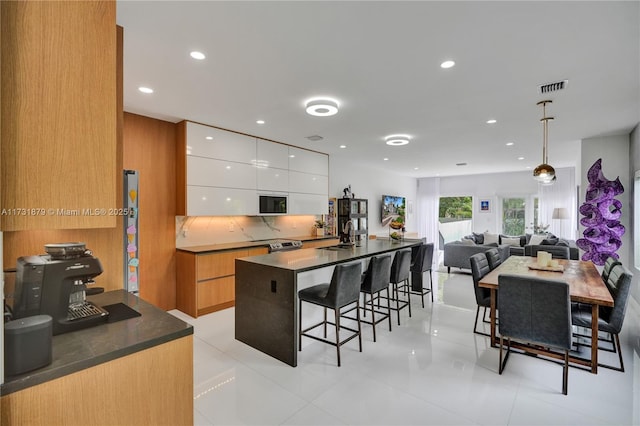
(55, 284)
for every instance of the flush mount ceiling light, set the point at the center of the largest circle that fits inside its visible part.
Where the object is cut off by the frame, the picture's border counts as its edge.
(544, 173)
(197, 55)
(492, 121)
(321, 107)
(397, 140)
(447, 64)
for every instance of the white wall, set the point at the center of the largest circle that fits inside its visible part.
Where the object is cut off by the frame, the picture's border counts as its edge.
(614, 151)
(372, 184)
(634, 154)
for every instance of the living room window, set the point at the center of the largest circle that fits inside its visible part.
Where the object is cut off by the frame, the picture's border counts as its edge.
(519, 214)
(455, 217)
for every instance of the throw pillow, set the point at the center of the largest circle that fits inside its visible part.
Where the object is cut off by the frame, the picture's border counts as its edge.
(536, 240)
(479, 238)
(515, 241)
(490, 238)
(468, 242)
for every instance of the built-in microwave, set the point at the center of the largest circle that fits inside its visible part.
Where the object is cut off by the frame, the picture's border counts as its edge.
(272, 204)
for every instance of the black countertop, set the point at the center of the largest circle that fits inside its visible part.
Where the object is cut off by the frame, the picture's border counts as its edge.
(314, 258)
(86, 348)
(209, 248)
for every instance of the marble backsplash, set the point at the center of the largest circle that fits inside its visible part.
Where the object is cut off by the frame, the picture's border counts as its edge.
(195, 231)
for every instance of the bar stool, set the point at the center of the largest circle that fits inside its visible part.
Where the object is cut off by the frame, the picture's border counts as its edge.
(421, 263)
(399, 279)
(343, 290)
(374, 281)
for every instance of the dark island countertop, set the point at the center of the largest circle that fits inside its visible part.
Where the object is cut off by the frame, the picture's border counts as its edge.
(89, 347)
(314, 258)
(210, 248)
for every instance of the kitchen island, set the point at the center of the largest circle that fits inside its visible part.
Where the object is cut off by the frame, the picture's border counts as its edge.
(267, 291)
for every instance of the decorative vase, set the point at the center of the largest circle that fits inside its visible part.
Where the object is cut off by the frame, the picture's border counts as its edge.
(319, 232)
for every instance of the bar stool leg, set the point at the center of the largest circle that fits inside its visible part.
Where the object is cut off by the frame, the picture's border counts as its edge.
(337, 313)
(325, 323)
(373, 318)
(430, 287)
(406, 283)
(359, 324)
(388, 307)
(300, 325)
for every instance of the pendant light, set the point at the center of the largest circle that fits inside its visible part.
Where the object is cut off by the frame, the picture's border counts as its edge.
(544, 173)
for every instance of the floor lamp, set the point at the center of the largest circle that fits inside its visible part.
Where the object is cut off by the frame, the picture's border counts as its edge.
(560, 213)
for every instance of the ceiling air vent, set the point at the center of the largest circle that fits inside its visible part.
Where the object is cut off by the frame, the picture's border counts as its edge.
(461, 164)
(315, 138)
(553, 87)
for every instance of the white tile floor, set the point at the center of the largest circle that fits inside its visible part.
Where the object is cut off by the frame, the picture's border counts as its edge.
(430, 370)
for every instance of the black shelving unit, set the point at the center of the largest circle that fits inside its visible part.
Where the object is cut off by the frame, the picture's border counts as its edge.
(356, 210)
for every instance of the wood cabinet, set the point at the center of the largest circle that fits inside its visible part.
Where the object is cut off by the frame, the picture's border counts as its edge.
(153, 386)
(356, 211)
(206, 281)
(320, 243)
(59, 111)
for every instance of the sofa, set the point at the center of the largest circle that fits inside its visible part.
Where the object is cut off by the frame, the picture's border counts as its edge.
(457, 253)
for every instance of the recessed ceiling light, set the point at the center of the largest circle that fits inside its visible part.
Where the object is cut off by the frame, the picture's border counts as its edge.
(520, 158)
(209, 138)
(145, 89)
(292, 156)
(492, 121)
(260, 121)
(416, 168)
(321, 107)
(509, 143)
(447, 64)
(397, 140)
(385, 159)
(197, 55)
(343, 146)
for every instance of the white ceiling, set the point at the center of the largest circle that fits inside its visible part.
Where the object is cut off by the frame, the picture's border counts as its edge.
(381, 61)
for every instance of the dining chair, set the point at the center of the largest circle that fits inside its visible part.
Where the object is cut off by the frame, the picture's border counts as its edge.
(480, 268)
(494, 258)
(536, 311)
(610, 319)
(422, 262)
(608, 265)
(343, 290)
(557, 252)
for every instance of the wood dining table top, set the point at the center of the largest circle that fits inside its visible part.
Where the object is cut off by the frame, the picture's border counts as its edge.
(585, 283)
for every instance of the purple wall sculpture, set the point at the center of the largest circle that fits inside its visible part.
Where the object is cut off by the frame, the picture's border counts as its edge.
(601, 211)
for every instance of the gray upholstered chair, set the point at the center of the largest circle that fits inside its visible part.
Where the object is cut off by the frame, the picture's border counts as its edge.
(399, 279)
(610, 319)
(557, 252)
(421, 263)
(480, 268)
(494, 258)
(376, 279)
(537, 311)
(343, 290)
(608, 265)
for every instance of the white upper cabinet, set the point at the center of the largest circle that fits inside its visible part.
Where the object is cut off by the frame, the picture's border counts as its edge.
(222, 173)
(301, 160)
(222, 145)
(227, 174)
(272, 154)
(308, 183)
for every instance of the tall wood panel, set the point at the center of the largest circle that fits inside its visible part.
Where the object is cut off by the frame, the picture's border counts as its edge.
(106, 243)
(149, 148)
(58, 114)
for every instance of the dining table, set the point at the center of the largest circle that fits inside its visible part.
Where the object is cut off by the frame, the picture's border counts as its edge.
(585, 286)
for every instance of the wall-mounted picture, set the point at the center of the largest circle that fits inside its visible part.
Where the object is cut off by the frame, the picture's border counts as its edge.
(393, 209)
(485, 206)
